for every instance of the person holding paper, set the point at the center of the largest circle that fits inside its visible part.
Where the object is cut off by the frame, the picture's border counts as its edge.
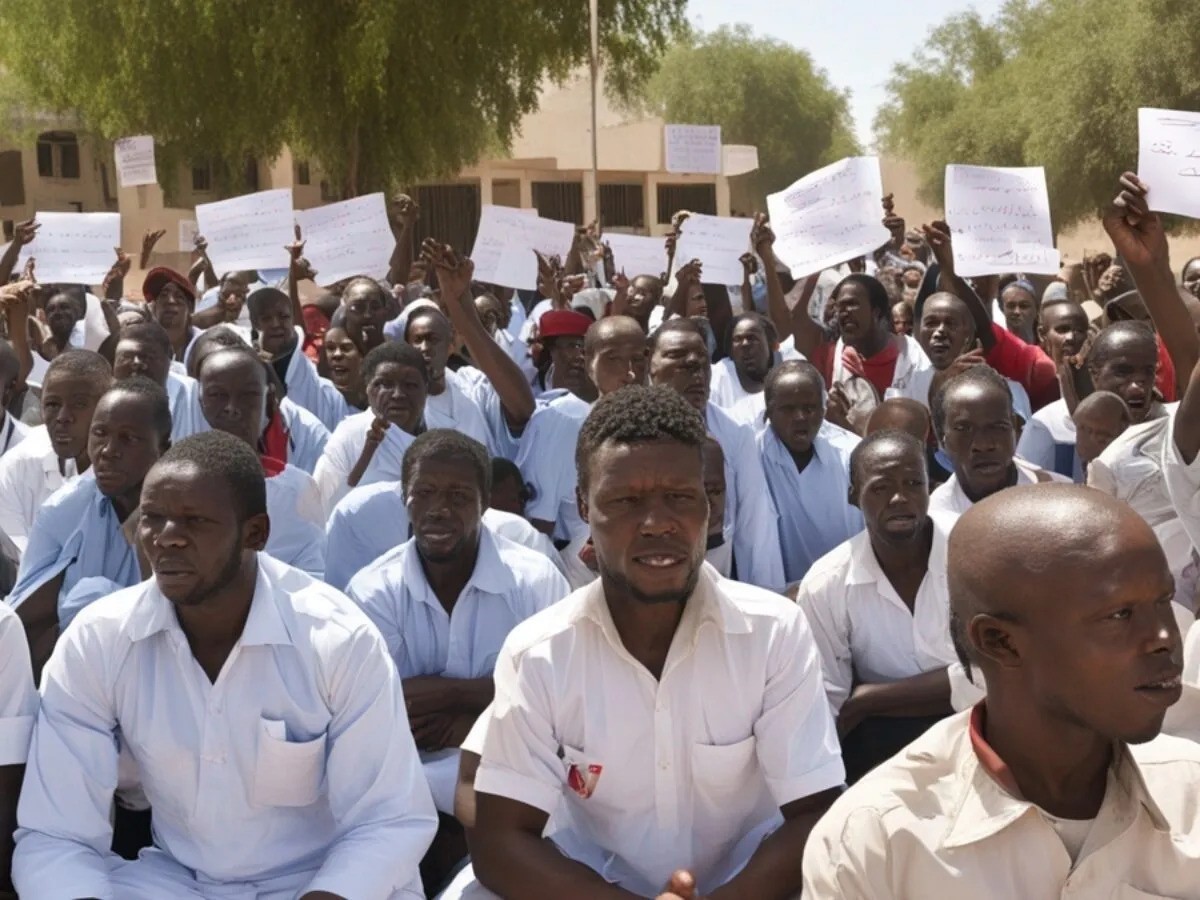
(260, 706)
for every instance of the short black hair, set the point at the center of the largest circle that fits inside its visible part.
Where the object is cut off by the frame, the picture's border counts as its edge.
(426, 311)
(448, 444)
(506, 470)
(677, 325)
(231, 460)
(74, 292)
(982, 376)
(637, 414)
(221, 335)
(757, 318)
(791, 367)
(155, 394)
(81, 364)
(887, 435)
(148, 332)
(367, 280)
(1109, 342)
(263, 297)
(394, 352)
(877, 295)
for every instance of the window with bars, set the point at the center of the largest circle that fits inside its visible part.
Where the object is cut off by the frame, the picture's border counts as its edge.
(697, 198)
(58, 154)
(622, 205)
(561, 200)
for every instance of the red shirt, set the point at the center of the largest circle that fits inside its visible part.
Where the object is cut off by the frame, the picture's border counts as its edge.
(316, 323)
(1164, 378)
(879, 369)
(274, 443)
(1025, 363)
(272, 466)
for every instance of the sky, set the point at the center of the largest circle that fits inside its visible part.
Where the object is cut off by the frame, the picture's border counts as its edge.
(856, 42)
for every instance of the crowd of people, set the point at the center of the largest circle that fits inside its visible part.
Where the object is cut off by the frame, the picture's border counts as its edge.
(866, 584)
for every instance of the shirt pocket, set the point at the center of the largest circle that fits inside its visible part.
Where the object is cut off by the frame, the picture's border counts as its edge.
(287, 773)
(721, 773)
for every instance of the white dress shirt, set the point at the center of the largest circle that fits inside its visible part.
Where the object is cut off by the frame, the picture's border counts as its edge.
(297, 521)
(343, 450)
(456, 408)
(18, 696)
(294, 771)
(29, 473)
(814, 508)
(546, 458)
(508, 585)
(12, 432)
(688, 771)
(949, 501)
(1180, 537)
(862, 628)
(182, 394)
(1064, 460)
(1131, 469)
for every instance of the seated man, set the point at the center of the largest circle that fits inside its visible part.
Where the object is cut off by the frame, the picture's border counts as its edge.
(260, 706)
(807, 466)
(974, 420)
(1037, 789)
(445, 600)
(233, 395)
(145, 349)
(430, 333)
(56, 451)
(81, 546)
(12, 429)
(675, 718)
(18, 707)
(679, 359)
(879, 610)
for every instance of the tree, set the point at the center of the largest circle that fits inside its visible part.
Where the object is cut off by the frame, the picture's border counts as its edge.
(1054, 83)
(760, 91)
(381, 93)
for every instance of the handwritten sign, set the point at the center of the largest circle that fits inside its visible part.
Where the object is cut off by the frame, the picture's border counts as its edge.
(73, 248)
(248, 232)
(829, 216)
(135, 161)
(187, 235)
(1169, 160)
(718, 242)
(692, 149)
(348, 238)
(636, 255)
(505, 243)
(1001, 221)
(739, 159)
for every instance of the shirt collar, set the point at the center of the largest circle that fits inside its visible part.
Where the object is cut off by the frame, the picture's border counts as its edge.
(865, 568)
(490, 575)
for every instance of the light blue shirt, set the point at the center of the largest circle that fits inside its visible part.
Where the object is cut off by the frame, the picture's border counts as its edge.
(297, 521)
(310, 391)
(508, 585)
(183, 395)
(1057, 455)
(76, 533)
(343, 450)
(815, 514)
(546, 459)
(750, 515)
(295, 771)
(307, 436)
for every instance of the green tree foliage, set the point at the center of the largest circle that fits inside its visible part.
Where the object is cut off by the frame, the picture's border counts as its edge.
(1054, 83)
(760, 91)
(382, 93)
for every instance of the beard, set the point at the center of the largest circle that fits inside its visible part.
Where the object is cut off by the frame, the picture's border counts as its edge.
(619, 582)
(225, 576)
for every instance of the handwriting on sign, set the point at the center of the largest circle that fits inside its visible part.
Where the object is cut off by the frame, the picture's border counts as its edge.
(505, 243)
(694, 149)
(718, 242)
(248, 232)
(829, 216)
(1001, 220)
(349, 238)
(1169, 159)
(73, 248)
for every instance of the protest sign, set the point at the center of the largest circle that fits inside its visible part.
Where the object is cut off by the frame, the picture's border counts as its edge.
(248, 232)
(1169, 160)
(636, 255)
(73, 248)
(1001, 221)
(718, 242)
(692, 149)
(135, 161)
(348, 238)
(505, 243)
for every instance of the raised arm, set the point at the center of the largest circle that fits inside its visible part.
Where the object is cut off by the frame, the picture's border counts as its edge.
(202, 266)
(1138, 236)
(149, 240)
(298, 270)
(796, 321)
(937, 235)
(506, 377)
(16, 299)
(23, 233)
(749, 265)
(404, 220)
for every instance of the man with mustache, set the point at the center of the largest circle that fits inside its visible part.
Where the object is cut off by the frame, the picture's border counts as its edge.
(1059, 776)
(675, 718)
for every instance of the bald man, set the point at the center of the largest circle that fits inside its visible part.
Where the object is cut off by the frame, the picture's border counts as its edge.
(900, 414)
(1037, 792)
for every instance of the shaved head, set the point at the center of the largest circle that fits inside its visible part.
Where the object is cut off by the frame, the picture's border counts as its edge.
(611, 328)
(900, 414)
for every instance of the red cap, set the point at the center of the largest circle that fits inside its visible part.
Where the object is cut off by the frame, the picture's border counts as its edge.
(159, 278)
(563, 323)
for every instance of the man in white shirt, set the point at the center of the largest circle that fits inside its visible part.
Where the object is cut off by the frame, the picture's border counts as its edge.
(145, 349)
(56, 451)
(18, 707)
(807, 466)
(429, 331)
(12, 430)
(260, 706)
(1036, 792)
(679, 359)
(674, 719)
(974, 421)
(879, 608)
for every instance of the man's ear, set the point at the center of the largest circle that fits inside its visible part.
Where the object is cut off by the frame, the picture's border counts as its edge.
(581, 503)
(256, 532)
(995, 639)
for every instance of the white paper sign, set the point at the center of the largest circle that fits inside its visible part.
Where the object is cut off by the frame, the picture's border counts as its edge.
(135, 161)
(718, 242)
(350, 238)
(1169, 160)
(1001, 221)
(692, 149)
(248, 232)
(187, 235)
(739, 159)
(636, 255)
(829, 216)
(73, 248)
(505, 243)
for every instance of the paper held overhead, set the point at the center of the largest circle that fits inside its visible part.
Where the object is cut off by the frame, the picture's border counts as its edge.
(739, 159)
(187, 235)
(505, 243)
(636, 255)
(1169, 160)
(73, 248)
(718, 242)
(829, 216)
(1001, 221)
(692, 149)
(248, 232)
(135, 160)
(348, 238)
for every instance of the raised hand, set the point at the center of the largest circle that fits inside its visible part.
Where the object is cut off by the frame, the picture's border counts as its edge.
(301, 268)
(1136, 232)
(620, 282)
(149, 240)
(25, 232)
(891, 221)
(200, 245)
(405, 212)
(937, 235)
(454, 275)
(689, 273)
(762, 238)
(27, 272)
(749, 264)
